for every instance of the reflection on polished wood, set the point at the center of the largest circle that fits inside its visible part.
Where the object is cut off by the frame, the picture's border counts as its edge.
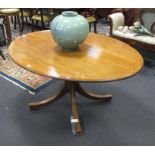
(99, 58)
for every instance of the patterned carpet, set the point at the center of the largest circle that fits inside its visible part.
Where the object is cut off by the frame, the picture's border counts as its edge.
(21, 77)
(24, 78)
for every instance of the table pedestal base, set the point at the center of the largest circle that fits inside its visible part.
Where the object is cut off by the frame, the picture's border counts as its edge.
(71, 87)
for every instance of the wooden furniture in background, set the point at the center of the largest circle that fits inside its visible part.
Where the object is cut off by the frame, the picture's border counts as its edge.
(25, 14)
(129, 13)
(40, 15)
(145, 17)
(153, 27)
(7, 27)
(99, 59)
(3, 39)
(90, 15)
(13, 13)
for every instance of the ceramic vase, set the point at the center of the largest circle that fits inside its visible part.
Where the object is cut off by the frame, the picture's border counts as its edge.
(69, 30)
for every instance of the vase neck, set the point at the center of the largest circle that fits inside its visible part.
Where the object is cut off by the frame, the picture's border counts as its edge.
(69, 13)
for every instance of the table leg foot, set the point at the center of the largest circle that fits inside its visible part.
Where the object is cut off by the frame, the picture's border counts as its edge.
(90, 95)
(76, 126)
(38, 104)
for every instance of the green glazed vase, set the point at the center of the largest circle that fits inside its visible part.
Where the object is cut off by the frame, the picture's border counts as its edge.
(69, 30)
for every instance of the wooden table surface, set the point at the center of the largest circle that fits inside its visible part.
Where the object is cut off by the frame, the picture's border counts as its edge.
(99, 58)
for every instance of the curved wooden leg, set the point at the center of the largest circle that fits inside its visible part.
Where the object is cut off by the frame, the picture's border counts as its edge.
(90, 95)
(36, 105)
(20, 25)
(76, 126)
(8, 29)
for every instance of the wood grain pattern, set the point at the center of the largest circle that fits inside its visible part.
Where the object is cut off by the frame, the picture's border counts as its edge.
(99, 58)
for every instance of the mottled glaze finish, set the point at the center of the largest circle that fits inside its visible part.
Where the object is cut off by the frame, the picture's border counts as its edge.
(99, 58)
(69, 30)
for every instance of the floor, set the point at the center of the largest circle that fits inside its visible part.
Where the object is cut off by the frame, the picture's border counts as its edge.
(127, 120)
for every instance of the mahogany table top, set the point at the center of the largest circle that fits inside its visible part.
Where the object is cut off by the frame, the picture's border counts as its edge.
(99, 58)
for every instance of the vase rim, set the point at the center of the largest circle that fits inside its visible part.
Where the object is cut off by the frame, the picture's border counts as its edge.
(69, 13)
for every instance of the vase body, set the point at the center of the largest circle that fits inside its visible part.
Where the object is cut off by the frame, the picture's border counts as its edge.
(69, 30)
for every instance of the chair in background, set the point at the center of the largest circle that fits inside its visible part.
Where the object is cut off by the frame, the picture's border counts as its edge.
(13, 13)
(3, 37)
(90, 15)
(145, 17)
(5, 21)
(92, 20)
(25, 14)
(41, 15)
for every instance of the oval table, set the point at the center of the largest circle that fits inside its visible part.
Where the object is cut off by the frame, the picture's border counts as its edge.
(98, 59)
